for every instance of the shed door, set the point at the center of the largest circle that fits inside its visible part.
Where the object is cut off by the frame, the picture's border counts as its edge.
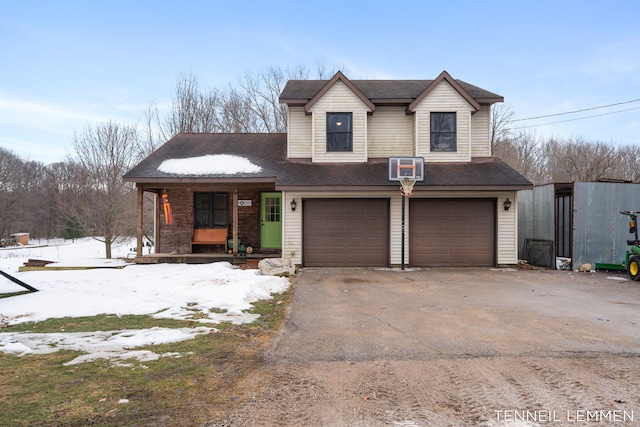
(345, 232)
(452, 232)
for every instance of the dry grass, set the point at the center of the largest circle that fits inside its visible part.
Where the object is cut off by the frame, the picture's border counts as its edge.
(38, 390)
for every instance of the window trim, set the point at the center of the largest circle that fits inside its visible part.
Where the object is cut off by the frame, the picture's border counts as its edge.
(348, 132)
(433, 133)
(213, 208)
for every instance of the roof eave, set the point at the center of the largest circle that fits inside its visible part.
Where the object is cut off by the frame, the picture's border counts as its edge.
(298, 102)
(444, 76)
(393, 186)
(198, 180)
(489, 101)
(340, 77)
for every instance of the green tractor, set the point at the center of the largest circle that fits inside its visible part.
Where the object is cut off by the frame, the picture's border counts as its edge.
(632, 259)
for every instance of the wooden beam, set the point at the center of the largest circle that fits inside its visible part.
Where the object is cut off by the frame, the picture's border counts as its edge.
(139, 225)
(156, 222)
(234, 210)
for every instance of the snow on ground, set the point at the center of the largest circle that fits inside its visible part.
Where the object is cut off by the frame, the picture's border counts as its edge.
(216, 292)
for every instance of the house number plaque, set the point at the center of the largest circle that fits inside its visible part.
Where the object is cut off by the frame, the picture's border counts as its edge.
(245, 202)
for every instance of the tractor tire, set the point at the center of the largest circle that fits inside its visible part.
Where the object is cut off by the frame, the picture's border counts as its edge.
(633, 267)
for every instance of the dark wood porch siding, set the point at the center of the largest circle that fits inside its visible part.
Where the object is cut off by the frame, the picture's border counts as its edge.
(177, 237)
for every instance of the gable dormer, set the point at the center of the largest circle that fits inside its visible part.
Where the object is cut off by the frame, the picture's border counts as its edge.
(442, 121)
(339, 122)
(342, 120)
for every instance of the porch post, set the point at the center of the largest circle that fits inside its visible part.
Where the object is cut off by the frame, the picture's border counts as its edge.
(156, 221)
(235, 221)
(140, 205)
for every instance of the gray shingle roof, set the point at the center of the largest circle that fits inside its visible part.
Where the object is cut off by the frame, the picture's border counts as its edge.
(269, 152)
(304, 90)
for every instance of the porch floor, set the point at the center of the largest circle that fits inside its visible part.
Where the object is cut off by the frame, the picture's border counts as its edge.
(205, 258)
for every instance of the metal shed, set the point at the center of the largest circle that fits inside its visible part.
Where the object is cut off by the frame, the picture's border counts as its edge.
(580, 221)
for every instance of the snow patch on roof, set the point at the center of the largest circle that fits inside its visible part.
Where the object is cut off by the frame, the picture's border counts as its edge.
(217, 164)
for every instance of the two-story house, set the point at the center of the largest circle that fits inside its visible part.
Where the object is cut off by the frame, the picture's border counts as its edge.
(321, 195)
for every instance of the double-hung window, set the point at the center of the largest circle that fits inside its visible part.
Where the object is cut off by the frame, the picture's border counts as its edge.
(211, 210)
(339, 132)
(443, 132)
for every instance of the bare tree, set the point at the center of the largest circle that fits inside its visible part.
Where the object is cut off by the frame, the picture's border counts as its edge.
(106, 152)
(628, 163)
(67, 183)
(501, 118)
(523, 151)
(262, 92)
(34, 214)
(193, 107)
(12, 186)
(578, 160)
(251, 106)
(153, 131)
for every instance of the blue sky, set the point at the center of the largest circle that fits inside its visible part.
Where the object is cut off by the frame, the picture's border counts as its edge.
(67, 64)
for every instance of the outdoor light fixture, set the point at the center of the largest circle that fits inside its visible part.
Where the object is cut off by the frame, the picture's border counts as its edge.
(507, 204)
(293, 205)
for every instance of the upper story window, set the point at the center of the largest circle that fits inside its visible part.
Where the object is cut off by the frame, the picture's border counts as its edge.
(211, 210)
(443, 132)
(339, 132)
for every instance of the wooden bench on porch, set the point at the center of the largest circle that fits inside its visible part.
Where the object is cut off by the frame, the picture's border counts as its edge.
(210, 236)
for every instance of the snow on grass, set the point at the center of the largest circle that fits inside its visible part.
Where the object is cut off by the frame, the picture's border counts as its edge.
(215, 293)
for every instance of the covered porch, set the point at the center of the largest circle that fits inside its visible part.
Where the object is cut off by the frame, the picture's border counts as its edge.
(195, 222)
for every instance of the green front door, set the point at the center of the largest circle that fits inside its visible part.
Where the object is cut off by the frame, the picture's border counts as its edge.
(271, 220)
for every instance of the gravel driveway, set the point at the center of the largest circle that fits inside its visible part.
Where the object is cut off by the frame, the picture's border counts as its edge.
(452, 347)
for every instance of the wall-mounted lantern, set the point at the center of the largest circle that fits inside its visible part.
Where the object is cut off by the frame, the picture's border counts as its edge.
(293, 205)
(507, 204)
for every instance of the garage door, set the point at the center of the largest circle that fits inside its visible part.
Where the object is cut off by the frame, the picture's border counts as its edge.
(345, 232)
(452, 232)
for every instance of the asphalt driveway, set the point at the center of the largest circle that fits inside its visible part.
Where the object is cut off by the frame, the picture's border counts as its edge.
(347, 314)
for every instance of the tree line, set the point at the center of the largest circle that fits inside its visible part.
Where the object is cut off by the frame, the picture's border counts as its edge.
(545, 160)
(84, 195)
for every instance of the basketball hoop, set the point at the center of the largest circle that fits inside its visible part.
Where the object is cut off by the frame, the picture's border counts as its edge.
(406, 170)
(407, 184)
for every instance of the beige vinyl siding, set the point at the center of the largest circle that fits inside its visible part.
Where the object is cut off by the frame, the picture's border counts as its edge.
(339, 99)
(414, 134)
(395, 239)
(506, 239)
(292, 227)
(446, 99)
(507, 235)
(480, 133)
(390, 133)
(299, 134)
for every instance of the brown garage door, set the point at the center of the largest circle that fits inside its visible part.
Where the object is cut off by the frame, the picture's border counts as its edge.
(452, 232)
(345, 232)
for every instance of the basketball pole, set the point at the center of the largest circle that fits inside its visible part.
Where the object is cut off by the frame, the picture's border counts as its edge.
(406, 170)
(402, 230)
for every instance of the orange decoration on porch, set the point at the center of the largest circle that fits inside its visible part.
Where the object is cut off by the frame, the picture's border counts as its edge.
(168, 215)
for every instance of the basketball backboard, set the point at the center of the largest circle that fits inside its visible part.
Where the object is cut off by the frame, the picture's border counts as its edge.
(406, 167)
